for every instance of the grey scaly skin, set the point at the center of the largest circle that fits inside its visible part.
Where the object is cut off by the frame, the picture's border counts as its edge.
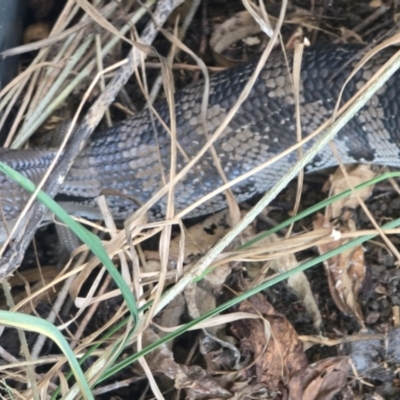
(129, 159)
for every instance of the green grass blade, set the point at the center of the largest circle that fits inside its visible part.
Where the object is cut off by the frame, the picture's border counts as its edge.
(34, 324)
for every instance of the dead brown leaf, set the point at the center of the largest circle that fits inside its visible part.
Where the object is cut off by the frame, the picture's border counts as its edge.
(297, 282)
(197, 382)
(271, 348)
(172, 315)
(215, 346)
(345, 271)
(238, 27)
(337, 183)
(325, 378)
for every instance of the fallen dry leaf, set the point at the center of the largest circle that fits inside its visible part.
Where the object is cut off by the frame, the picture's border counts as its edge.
(194, 243)
(298, 282)
(271, 348)
(346, 272)
(199, 238)
(197, 382)
(217, 349)
(337, 183)
(325, 378)
(172, 315)
(238, 27)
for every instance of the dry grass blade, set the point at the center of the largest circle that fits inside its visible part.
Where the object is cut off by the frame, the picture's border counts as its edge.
(298, 53)
(215, 321)
(100, 20)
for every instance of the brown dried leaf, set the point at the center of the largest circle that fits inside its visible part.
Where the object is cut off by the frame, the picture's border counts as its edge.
(195, 380)
(240, 26)
(161, 359)
(375, 3)
(199, 300)
(216, 347)
(172, 315)
(201, 237)
(247, 390)
(357, 174)
(298, 282)
(345, 271)
(325, 378)
(199, 384)
(273, 346)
